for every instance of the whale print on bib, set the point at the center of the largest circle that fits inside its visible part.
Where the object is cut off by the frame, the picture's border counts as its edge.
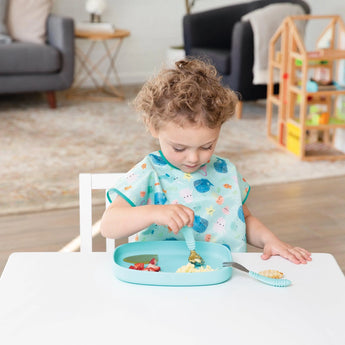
(203, 185)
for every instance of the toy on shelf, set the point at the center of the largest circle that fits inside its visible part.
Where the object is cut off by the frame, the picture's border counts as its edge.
(321, 85)
(318, 114)
(310, 107)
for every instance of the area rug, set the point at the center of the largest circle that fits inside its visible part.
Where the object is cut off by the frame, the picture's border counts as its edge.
(44, 150)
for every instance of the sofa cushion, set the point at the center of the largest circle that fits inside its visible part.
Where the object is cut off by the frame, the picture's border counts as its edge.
(220, 58)
(25, 57)
(27, 19)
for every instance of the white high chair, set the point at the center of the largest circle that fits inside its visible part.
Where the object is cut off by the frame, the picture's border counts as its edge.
(87, 183)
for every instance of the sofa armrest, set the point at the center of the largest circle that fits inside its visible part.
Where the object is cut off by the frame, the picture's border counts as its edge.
(60, 34)
(242, 56)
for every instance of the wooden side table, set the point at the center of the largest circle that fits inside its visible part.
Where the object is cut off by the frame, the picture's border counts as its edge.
(106, 88)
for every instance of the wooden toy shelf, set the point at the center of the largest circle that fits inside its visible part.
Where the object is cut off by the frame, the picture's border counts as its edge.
(310, 106)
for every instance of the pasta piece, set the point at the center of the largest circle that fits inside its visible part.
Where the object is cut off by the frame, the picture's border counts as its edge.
(190, 268)
(272, 274)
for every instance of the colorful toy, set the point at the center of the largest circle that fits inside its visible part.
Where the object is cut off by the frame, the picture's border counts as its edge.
(311, 100)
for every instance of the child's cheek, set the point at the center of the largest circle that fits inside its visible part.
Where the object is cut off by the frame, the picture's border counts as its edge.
(175, 157)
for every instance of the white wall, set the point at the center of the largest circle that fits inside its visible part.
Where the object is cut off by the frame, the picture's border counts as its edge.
(155, 25)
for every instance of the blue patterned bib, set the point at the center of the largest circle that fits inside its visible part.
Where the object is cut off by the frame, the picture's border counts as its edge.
(215, 192)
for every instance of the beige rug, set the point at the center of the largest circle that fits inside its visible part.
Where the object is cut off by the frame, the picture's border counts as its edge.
(44, 150)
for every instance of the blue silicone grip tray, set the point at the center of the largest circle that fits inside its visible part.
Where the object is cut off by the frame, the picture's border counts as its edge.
(171, 256)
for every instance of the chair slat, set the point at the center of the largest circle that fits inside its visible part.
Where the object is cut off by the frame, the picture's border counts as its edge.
(87, 183)
(85, 212)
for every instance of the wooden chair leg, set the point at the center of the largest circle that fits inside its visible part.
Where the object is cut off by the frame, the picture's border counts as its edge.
(239, 110)
(51, 99)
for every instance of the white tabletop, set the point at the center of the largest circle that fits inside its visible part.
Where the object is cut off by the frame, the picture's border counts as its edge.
(73, 298)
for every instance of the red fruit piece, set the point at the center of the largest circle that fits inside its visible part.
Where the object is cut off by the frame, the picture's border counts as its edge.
(139, 266)
(154, 268)
(151, 267)
(153, 261)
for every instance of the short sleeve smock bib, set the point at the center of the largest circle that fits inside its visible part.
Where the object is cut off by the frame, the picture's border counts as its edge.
(215, 192)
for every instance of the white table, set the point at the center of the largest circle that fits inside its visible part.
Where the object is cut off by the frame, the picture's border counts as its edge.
(73, 298)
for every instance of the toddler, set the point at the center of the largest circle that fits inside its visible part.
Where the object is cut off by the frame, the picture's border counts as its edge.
(184, 183)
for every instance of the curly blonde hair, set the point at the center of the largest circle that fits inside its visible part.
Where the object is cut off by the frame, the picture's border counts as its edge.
(191, 91)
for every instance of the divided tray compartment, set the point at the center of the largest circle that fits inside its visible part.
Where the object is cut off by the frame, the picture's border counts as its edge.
(171, 256)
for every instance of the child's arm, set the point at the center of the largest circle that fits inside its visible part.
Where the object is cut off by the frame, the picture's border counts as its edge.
(260, 236)
(122, 220)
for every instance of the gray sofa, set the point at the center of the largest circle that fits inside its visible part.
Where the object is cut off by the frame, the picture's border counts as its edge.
(228, 42)
(32, 67)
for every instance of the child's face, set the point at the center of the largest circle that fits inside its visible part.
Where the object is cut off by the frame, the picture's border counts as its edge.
(188, 147)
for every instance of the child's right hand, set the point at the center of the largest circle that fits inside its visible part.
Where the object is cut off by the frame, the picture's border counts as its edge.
(175, 216)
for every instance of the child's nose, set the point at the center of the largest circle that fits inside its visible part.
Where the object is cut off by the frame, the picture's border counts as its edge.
(193, 157)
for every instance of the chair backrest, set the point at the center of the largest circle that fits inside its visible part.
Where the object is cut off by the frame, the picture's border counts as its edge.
(87, 183)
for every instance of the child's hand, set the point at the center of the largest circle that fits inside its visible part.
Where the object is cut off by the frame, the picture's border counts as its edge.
(174, 216)
(296, 255)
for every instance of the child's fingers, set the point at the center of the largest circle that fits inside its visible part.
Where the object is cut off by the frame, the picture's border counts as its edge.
(266, 254)
(283, 252)
(186, 216)
(174, 226)
(290, 256)
(297, 255)
(302, 254)
(305, 253)
(190, 215)
(182, 216)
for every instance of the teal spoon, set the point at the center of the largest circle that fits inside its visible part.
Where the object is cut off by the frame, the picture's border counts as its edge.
(194, 257)
(257, 276)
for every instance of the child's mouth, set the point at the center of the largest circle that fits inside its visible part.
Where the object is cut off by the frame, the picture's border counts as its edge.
(192, 167)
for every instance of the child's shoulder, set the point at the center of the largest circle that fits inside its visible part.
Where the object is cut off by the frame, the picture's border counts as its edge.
(147, 162)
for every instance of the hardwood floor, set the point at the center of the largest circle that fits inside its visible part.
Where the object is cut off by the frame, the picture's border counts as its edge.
(309, 214)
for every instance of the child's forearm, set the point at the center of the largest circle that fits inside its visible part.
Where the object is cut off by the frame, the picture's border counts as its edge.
(119, 222)
(123, 220)
(260, 236)
(257, 233)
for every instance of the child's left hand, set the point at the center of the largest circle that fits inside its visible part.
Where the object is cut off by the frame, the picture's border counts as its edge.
(296, 255)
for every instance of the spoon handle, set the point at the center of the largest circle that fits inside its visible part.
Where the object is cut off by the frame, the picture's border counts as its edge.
(189, 237)
(270, 281)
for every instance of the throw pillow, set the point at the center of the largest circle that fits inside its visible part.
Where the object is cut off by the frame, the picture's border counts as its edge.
(3, 12)
(4, 38)
(27, 19)
(265, 21)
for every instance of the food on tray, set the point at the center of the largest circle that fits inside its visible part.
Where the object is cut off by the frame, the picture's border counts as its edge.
(190, 268)
(151, 266)
(272, 274)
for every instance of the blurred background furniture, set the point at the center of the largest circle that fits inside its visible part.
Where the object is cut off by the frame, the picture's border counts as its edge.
(107, 84)
(222, 37)
(34, 67)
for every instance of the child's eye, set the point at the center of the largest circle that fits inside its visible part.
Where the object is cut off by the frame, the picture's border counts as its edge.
(207, 148)
(176, 149)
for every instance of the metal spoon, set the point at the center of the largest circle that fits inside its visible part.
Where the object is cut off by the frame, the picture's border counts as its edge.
(257, 276)
(194, 257)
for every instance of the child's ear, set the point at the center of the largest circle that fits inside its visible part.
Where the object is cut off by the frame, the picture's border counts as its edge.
(153, 131)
